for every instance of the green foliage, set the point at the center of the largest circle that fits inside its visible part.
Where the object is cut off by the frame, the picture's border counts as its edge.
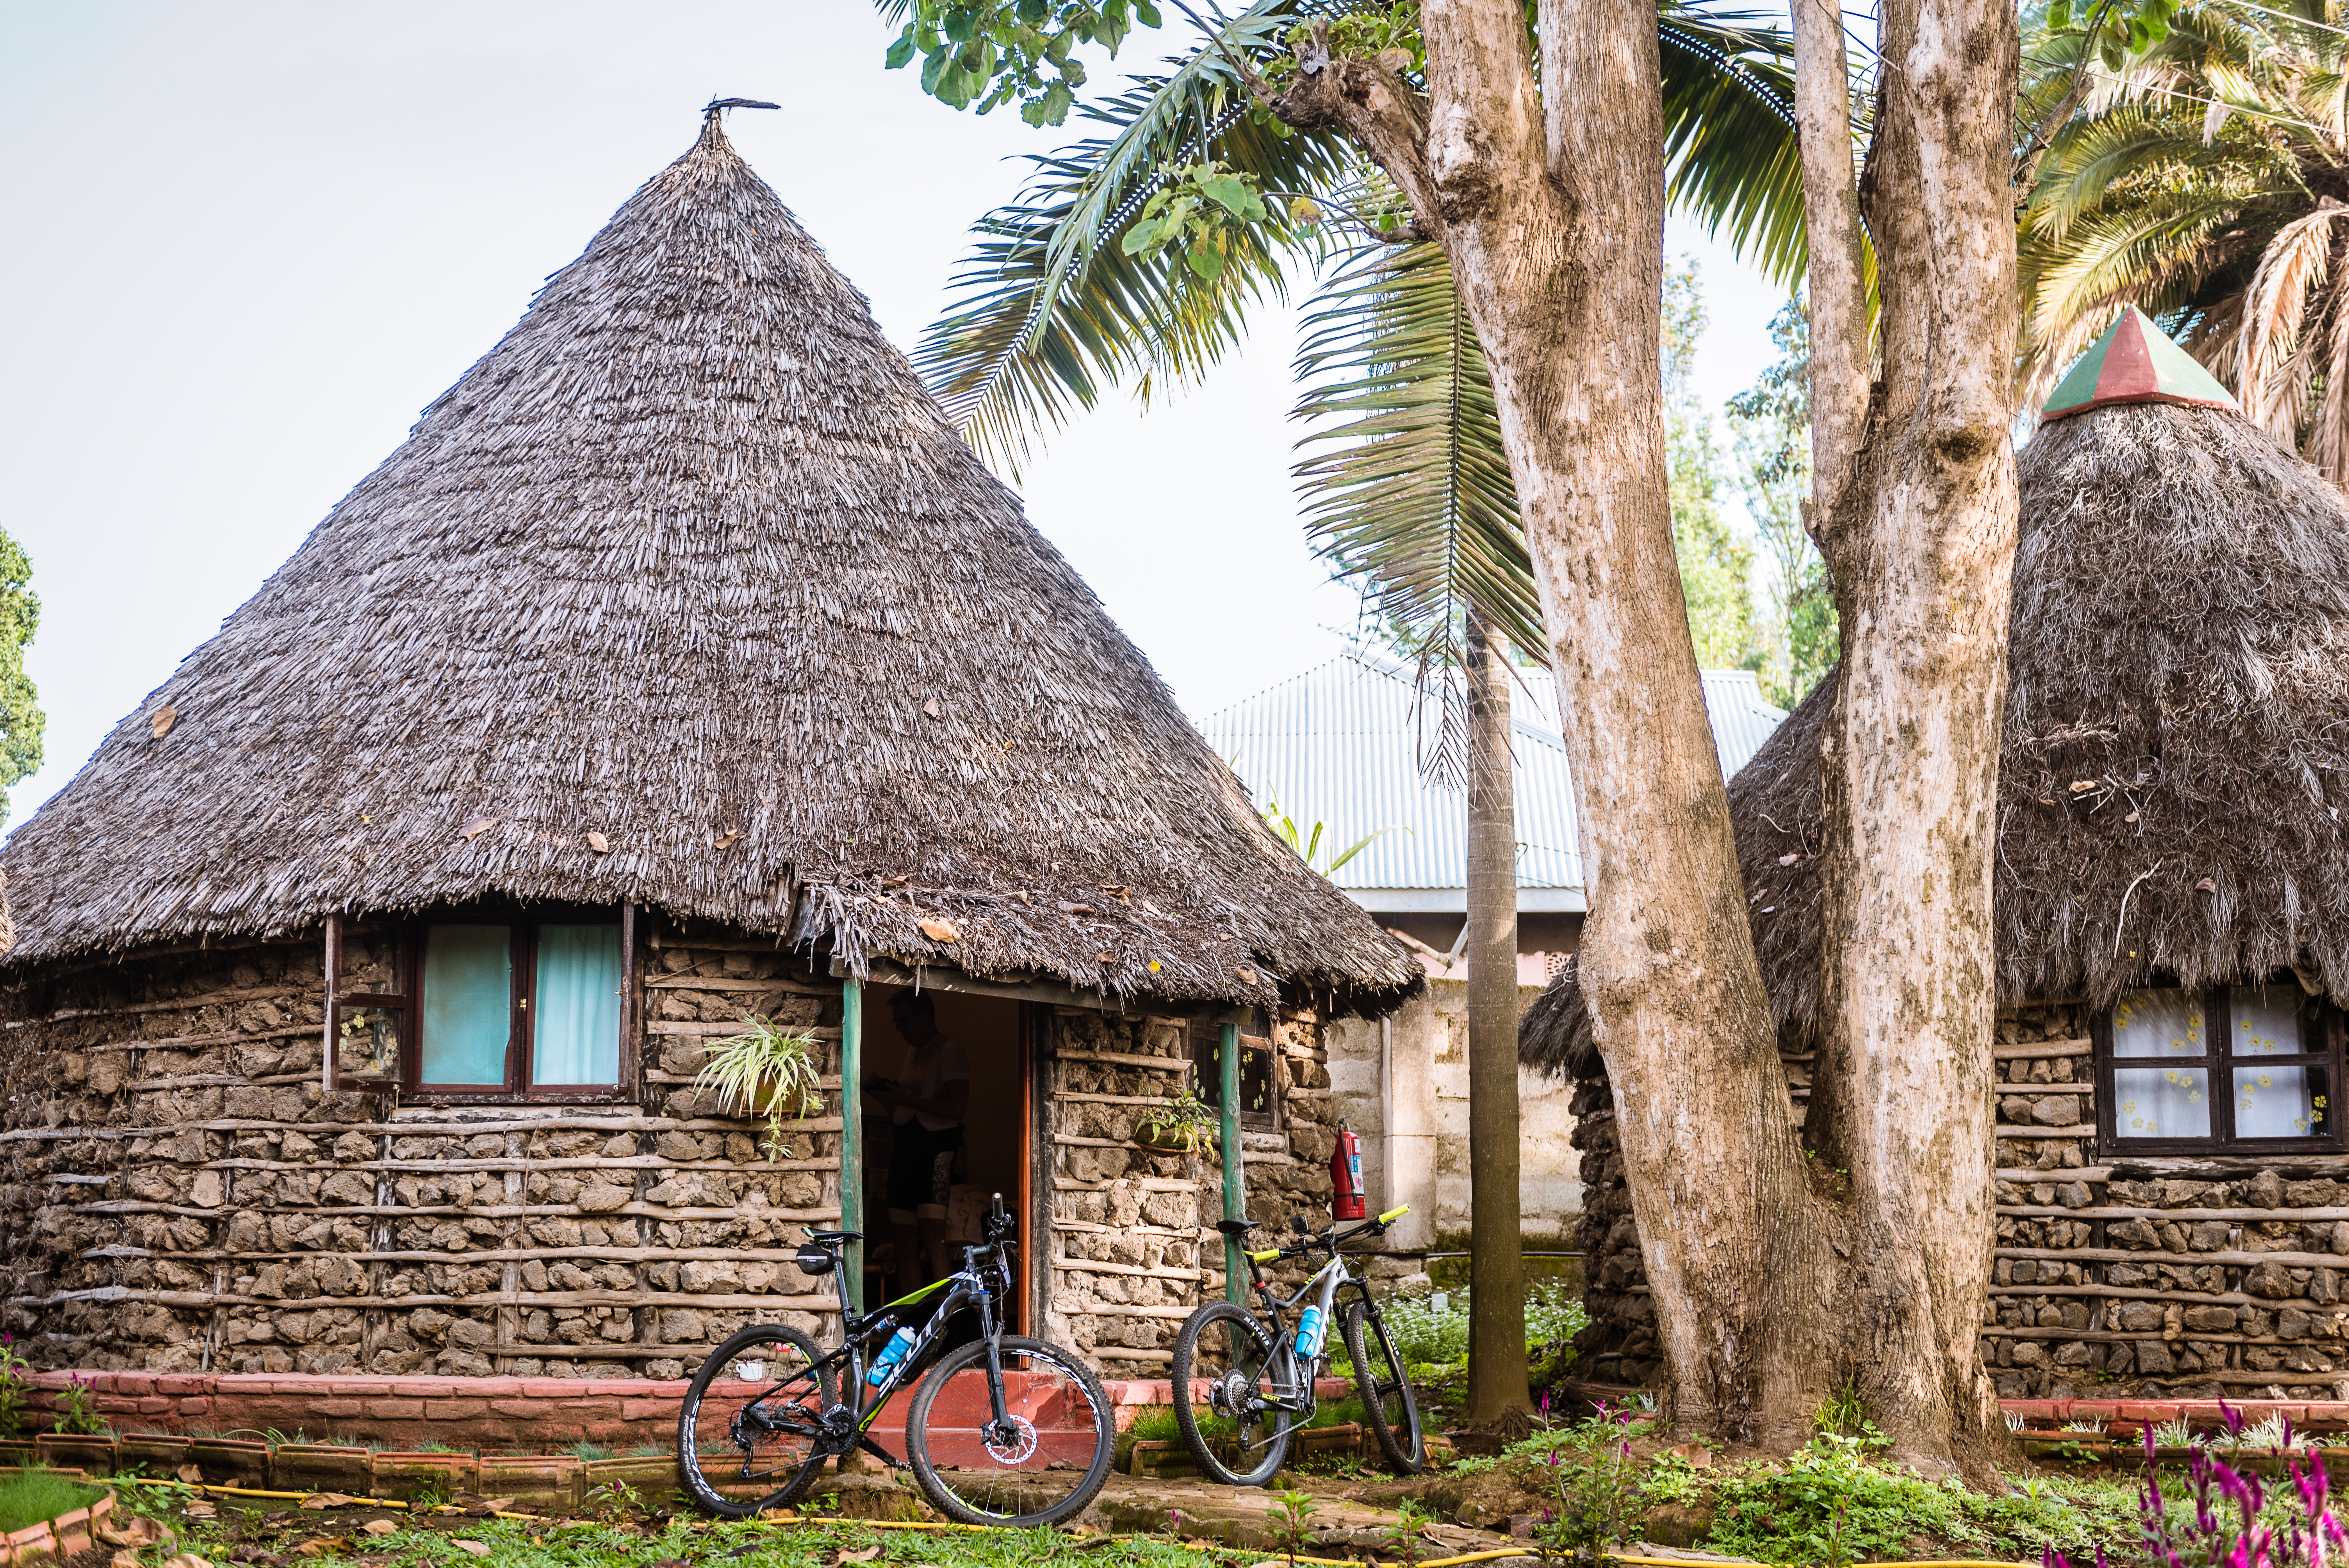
(1185, 1119)
(1596, 1500)
(1411, 1521)
(1834, 1502)
(15, 1386)
(1432, 1343)
(766, 1069)
(1291, 1514)
(616, 1496)
(2187, 177)
(21, 723)
(31, 1496)
(2113, 29)
(1053, 308)
(1308, 844)
(76, 1407)
(994, 52)
(1771, 422)
(1405, 485)
(1717, 568)
(1203, 211)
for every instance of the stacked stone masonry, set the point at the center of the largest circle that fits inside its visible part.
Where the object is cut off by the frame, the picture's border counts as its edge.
(1133, 1250)
(2170, 1279)
(179, 1194)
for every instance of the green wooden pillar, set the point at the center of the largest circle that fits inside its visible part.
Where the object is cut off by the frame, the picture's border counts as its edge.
(1227, 1062)
(851, 1136)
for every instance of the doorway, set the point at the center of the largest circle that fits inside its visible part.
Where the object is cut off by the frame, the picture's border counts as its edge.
(995, 1150)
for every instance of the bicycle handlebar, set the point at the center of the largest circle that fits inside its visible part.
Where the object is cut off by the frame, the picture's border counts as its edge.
(1329, 1241)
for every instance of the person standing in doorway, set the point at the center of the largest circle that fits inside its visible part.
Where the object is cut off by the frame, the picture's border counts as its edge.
(927, 1103)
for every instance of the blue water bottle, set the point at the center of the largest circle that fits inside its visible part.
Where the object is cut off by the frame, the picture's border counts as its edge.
(900, 1344)
(1308, 1333)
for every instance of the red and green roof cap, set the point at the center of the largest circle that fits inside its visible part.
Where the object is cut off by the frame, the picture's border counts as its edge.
(2135, 362)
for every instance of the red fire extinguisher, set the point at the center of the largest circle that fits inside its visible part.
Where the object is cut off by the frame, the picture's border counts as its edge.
(1346, 1177)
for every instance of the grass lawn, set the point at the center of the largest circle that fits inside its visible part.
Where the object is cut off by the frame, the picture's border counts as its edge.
(296, 1542)
(28, 1497)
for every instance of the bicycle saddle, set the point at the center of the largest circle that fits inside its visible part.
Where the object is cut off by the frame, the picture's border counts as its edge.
(1236, 1228)
(822, 1237)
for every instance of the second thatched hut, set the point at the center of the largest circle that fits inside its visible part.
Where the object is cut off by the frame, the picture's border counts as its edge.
(2171, 910)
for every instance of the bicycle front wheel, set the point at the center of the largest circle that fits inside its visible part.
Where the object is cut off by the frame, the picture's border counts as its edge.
(1390, 1408)
(746, 1433)
(1236, 1390)
(1042, 1464)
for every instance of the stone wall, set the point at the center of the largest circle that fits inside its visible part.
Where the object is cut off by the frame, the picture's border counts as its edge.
(1133, 1250)
(180, 1195)
(2176, 1278)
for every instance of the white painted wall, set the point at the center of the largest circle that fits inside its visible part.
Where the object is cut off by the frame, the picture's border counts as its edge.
(1404, 1087)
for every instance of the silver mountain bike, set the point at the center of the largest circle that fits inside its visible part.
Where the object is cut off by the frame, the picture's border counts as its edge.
(1243, 1380)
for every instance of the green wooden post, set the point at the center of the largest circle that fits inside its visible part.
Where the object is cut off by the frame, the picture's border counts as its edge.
(851, 1137)
(1227, 1062)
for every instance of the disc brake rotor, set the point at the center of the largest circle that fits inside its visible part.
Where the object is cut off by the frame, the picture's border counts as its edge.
(1011, 1441)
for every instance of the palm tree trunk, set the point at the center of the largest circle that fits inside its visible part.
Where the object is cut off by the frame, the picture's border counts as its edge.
(1496, 1270)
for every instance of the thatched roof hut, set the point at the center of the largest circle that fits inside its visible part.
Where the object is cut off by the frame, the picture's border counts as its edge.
(2171, 775)
(688, 594)
(2170, 954)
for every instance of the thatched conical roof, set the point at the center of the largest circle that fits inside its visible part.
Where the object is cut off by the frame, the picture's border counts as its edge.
(692, 566)
(2175, 764)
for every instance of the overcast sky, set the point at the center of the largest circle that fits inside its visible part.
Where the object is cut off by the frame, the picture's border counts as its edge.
(251, 241)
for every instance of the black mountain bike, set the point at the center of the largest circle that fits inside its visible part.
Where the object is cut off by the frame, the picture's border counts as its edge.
(1243, 1381)
(1005, 1431)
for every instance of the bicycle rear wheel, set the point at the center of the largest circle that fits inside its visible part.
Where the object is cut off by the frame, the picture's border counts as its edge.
(1042, 1466)
(1228, 1373)
(1390, 1408)
(746, 1435)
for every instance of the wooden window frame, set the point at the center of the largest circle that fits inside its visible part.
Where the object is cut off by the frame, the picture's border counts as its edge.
(1206, 1040)
(522, 938)
(2219, 1062)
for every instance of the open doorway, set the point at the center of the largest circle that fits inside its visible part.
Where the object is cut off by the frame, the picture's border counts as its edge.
(967, 1160)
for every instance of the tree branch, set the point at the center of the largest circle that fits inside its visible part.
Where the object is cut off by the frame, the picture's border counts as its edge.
(1838, 281)
(1374, 107)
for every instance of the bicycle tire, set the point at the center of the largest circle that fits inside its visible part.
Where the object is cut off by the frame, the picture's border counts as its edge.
(1390, 1409)
(950, 1440)
(1240, 1378)
(709, 1414)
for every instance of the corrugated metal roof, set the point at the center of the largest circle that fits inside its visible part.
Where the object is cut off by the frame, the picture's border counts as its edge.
(1342, 744)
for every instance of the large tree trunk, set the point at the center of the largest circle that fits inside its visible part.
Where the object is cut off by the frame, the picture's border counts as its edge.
(1914, 508)
(1496, 1270)
(1554, 223)
(1773, 1281)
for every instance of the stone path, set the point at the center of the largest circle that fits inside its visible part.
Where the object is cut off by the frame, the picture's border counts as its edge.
(1244, 1516)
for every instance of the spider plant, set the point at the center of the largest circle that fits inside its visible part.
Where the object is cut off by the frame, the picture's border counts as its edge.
(1182, 1122)
(768, 1070)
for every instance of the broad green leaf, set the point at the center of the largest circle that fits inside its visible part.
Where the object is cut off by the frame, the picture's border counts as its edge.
(901, 52)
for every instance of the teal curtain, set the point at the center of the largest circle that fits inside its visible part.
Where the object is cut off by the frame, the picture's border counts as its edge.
(468, 1004)
(575, 1034)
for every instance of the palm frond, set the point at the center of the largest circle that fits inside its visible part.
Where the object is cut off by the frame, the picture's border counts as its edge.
(1051, 312)
(1406, 485)
(1729, 132)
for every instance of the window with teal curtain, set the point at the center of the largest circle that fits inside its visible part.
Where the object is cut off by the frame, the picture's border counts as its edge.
(468, 1004)
(575, 1017)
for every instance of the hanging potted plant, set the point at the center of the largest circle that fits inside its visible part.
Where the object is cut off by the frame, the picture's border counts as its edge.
(1179, 1125)
(768, 1070)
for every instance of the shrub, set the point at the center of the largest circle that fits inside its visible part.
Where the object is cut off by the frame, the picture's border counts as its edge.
(2234, 1522)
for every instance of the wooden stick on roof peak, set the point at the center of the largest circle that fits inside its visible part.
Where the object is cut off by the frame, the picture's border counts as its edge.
(717, 107)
